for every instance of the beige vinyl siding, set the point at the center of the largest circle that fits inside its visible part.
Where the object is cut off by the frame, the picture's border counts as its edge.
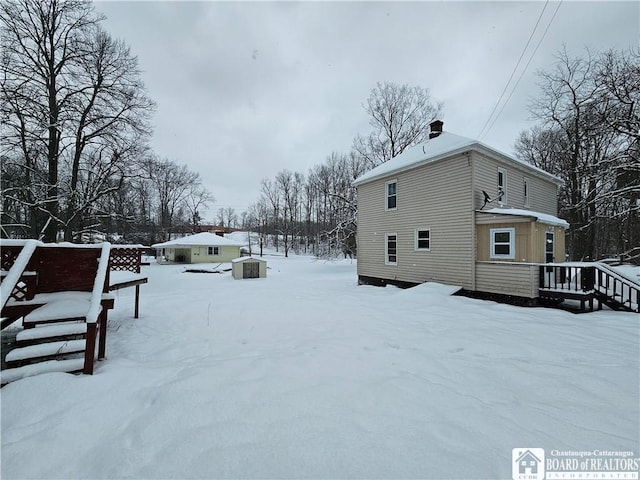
(522, 241)
(542, 192)
(539, 239)
(508, 278)
(436, 196)
(530, 239)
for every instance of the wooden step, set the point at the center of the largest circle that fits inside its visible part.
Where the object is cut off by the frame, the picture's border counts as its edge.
(58, 310)
(67, 366)
(45, 350)
(51, 331)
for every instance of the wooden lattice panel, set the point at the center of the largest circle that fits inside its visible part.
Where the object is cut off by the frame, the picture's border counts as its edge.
(25, 289)
(127, 259)
(9, 255)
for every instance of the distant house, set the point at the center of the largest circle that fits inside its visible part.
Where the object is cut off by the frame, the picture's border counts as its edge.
(202, 247)
(458, 212)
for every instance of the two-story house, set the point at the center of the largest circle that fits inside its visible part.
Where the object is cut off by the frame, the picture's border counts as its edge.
(458, 212)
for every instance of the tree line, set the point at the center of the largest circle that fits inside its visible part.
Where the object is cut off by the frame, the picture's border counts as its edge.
(75, 132)
(316, 212)
(76, 158)
(588, 134)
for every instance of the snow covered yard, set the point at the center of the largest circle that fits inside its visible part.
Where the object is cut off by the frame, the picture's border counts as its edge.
(304, 374)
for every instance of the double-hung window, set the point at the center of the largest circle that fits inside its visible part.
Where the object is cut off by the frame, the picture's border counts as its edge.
(423, 239)
(391, 195)
(503, 243)
(213, 251)
(391, 249)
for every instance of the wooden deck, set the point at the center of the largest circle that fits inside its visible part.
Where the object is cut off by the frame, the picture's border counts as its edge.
(592, 284)
(61, 295)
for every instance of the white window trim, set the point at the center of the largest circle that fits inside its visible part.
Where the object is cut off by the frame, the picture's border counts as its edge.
(386, 195)
(526, 186)
(416, 248)
(386, 248)
(512, 243)
(504, 186)
(213, 251)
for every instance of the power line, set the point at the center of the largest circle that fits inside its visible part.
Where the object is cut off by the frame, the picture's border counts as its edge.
(479, 136)
(525, 68)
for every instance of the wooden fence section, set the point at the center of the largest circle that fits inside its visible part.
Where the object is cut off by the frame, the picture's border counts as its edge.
(127, 259)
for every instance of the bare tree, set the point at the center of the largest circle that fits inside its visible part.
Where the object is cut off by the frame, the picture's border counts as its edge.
(618, 77)
(196, 199)
(400, 116)
(40, 42)
(271, 196)
(172, 183)
(257, 220)
(585, 109)
(227, 217)
(75, 115)
(320, 210)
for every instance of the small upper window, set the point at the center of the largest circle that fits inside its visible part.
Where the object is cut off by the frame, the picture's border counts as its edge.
(213, 251)
(503, 243)
(502, 186)
(423, 239)
(391, 194)
(525, 187)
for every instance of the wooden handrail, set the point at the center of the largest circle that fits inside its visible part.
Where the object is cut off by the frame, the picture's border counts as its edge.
(593, 278)
(17, 269)
(95, 306)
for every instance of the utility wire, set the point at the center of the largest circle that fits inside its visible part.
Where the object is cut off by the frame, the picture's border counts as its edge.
(525, 69)
(479, 136)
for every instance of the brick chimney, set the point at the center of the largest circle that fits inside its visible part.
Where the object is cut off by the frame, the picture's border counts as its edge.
(436, 128)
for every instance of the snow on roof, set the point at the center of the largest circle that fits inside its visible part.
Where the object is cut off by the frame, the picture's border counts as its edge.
(243, 259)
(444, 145)
(540, 217)
(15, 242)
(203, 239)
(7, 242)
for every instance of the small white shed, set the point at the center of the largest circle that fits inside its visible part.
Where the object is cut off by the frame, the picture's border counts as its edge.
(249, 267)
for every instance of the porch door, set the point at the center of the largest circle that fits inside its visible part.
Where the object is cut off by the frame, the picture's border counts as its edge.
(548, 248)
(548, 256)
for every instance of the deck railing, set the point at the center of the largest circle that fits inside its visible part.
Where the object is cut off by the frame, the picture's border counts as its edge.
(591, 280)
(59, 268)
(16, 267)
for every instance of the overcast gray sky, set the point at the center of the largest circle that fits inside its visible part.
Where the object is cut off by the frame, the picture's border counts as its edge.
(246, 89)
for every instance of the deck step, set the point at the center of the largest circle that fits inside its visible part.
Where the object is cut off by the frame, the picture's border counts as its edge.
(45, 350)
(77, 328)
(13, 374)
(67, 308)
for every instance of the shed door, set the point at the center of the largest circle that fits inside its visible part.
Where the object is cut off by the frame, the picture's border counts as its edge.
(251, 270)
